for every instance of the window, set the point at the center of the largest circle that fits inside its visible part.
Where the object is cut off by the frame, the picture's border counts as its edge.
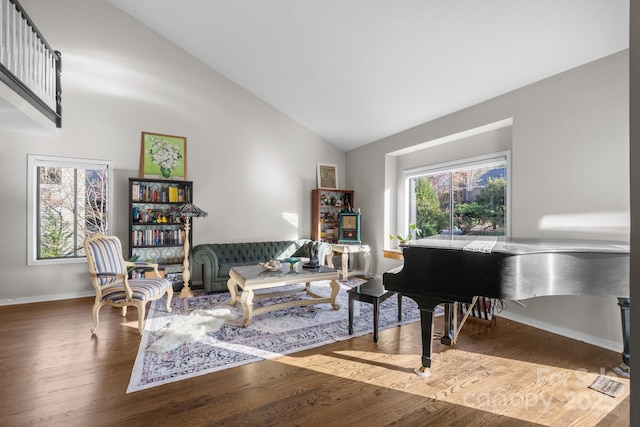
(68, 201)
(466, 198)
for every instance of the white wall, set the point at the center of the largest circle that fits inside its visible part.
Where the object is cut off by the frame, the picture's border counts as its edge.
(570, 160)
(252, 166)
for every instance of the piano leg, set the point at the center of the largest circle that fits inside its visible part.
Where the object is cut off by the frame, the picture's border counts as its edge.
(426, 323)
(624, 369)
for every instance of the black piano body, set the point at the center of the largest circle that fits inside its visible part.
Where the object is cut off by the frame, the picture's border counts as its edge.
(437, 271)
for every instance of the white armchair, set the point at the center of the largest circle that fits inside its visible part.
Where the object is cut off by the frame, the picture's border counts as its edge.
(108, 271)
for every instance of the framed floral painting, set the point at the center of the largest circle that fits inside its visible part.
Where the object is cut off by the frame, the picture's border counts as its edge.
(163, 156)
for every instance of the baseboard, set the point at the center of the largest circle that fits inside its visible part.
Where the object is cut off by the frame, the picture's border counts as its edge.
(46, 298)
(554, 329)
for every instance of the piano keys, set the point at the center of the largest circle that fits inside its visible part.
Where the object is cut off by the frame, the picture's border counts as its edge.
(437, 271)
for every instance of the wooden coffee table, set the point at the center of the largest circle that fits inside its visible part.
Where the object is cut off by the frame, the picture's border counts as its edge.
(252, 277)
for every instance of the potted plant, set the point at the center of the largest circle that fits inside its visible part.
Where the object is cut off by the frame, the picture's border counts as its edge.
(413, 229)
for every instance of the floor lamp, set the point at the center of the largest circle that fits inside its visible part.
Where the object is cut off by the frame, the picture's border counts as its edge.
(188, 211)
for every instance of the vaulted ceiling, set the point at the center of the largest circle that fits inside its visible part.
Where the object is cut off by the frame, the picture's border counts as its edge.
(355, 71)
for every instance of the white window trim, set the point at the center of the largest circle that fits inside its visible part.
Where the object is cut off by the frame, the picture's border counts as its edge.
(453, 166)
(34, 161)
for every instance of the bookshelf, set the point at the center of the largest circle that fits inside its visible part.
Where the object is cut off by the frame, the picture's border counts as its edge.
(326, 206)
(156, 232)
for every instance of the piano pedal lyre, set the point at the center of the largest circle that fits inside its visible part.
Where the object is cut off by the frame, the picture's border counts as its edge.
(479, 308)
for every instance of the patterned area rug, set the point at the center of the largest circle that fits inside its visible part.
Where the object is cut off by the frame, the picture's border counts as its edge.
(268, 336)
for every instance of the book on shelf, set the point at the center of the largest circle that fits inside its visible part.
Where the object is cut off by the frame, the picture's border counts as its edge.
(148, 193)
(173, 194)
(156, 237)
(152, 194)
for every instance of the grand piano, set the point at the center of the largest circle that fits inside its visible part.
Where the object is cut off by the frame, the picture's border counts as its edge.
(438, 271)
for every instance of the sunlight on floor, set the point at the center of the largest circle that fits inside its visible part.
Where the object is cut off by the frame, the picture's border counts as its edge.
(507, 387)
(130, 324)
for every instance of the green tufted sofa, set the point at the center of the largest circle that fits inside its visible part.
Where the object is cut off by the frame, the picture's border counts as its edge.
(218, 258)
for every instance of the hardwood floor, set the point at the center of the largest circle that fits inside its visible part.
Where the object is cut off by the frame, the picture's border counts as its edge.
(54, 372)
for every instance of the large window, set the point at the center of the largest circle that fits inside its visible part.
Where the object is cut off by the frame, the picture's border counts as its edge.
(69, 200)
(466, 198)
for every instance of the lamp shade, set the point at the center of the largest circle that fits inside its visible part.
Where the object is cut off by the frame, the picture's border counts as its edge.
(190, 210)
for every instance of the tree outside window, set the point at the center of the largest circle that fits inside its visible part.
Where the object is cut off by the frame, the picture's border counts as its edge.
(460, 201)
(70, 203)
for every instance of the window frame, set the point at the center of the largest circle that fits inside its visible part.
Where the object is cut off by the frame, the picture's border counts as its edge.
(34, 162)
(454, 166)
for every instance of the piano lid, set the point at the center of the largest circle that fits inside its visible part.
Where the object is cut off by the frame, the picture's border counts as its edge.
(518, 246)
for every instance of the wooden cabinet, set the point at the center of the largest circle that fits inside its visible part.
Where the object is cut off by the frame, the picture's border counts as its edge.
(156, 232)
(326, 206)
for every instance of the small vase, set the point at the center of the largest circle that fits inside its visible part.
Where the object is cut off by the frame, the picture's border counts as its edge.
(166, 173)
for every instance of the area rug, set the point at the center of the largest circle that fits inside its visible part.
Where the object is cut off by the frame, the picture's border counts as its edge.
(218, 345)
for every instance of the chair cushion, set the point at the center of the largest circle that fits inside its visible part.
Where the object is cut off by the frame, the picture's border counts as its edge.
(143, 290)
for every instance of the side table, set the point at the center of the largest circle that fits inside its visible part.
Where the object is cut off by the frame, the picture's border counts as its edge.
(345, 250)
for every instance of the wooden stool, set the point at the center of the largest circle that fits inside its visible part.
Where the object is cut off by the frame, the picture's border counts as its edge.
(374, 293)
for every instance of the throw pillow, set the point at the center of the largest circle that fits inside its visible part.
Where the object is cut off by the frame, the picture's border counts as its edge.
(303, 251)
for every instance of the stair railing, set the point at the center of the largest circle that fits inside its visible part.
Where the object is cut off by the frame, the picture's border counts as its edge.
(28, 65)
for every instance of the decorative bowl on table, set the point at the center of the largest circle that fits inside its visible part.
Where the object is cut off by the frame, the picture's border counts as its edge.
(272, 265)
(292, 262)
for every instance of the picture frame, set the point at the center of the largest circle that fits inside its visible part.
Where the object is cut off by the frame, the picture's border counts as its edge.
(163, 156)
(327, 176)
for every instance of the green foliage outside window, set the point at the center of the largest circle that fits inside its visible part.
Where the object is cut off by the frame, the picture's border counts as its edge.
(57, 235)
(492, 200)
(430, 218)
(477, 209)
